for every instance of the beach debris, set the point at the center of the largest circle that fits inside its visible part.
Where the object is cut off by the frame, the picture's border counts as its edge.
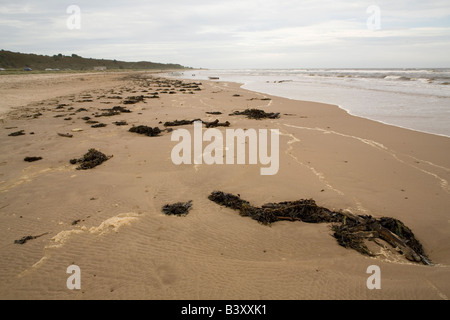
(65, 135)
(256, 114)
(32, 159)
(99, 125)
(120, 123)
(16, 134)
(216, 123)
(28, 238)
(133, 99)
(350, 231)
(214, 113)
(178, 209)
(90, 160)
(115, 111)
(77, 130)
(75, 222)
(81, 110)
(148, 131)
(178, 123)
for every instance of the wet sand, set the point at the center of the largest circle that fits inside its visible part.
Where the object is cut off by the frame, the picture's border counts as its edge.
(127, 248)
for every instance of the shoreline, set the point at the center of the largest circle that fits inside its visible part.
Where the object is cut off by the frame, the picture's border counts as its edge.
(108, 220)
(246, 86)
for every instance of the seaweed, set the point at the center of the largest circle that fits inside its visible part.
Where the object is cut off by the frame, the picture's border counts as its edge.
(178, 209)
(90, 160)
(115, 111)
(120, 123)
(133, 99)
(32, 159)
(25, 239)
(349, 230)
(99, 125)
(216, 123)
(215, 113)
(178, 123)
(16, 134)
(256, 114)
(148, 131)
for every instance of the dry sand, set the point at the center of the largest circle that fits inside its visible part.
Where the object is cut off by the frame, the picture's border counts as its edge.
(127, 248)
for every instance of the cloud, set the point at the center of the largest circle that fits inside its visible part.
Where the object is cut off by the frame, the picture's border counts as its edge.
(234, 33)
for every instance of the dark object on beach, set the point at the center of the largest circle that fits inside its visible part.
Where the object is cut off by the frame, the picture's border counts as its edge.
(148, 131)
(32, 159)
(256, 114)
(178, 123)
(65, 135)
(215, 113)
(86, 118)
(68, 119)
(99, 125)
(236, 95)
(133, 99)
(266, 99)
(16, 134)
(120, 123)
(350, 231)
(178, 209)
(28, 238)
(81, 110)
(75, 222)
(216, 123)
(115, 111)
(90, 160)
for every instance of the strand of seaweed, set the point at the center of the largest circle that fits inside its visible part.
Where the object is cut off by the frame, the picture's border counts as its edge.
(350, 231)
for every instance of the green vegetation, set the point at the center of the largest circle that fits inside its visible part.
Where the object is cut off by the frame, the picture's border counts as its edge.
(16, 62)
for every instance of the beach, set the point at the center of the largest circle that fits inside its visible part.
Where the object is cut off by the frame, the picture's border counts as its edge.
(108, 221)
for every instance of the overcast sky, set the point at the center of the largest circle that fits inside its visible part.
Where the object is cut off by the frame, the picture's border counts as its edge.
(236, 33)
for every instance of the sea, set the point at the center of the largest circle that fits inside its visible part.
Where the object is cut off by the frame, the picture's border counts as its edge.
(417, 99)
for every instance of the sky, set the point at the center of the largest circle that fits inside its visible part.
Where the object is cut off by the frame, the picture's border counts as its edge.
(235, 34)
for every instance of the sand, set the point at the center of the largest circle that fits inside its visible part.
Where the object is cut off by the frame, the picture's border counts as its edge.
(109, 222)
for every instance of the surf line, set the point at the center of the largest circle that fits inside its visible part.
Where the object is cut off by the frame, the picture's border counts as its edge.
(214, 152)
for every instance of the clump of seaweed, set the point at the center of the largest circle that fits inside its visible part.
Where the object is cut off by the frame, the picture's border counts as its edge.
(99, 125)
(16, 134)
(178, 123)
(216, 123)
(115, 111)
(90, 160)
(178, 209)
(148, 131)
(32, 159)
(350, 231)
(256, 114)
(24, 240)
(133, 100)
